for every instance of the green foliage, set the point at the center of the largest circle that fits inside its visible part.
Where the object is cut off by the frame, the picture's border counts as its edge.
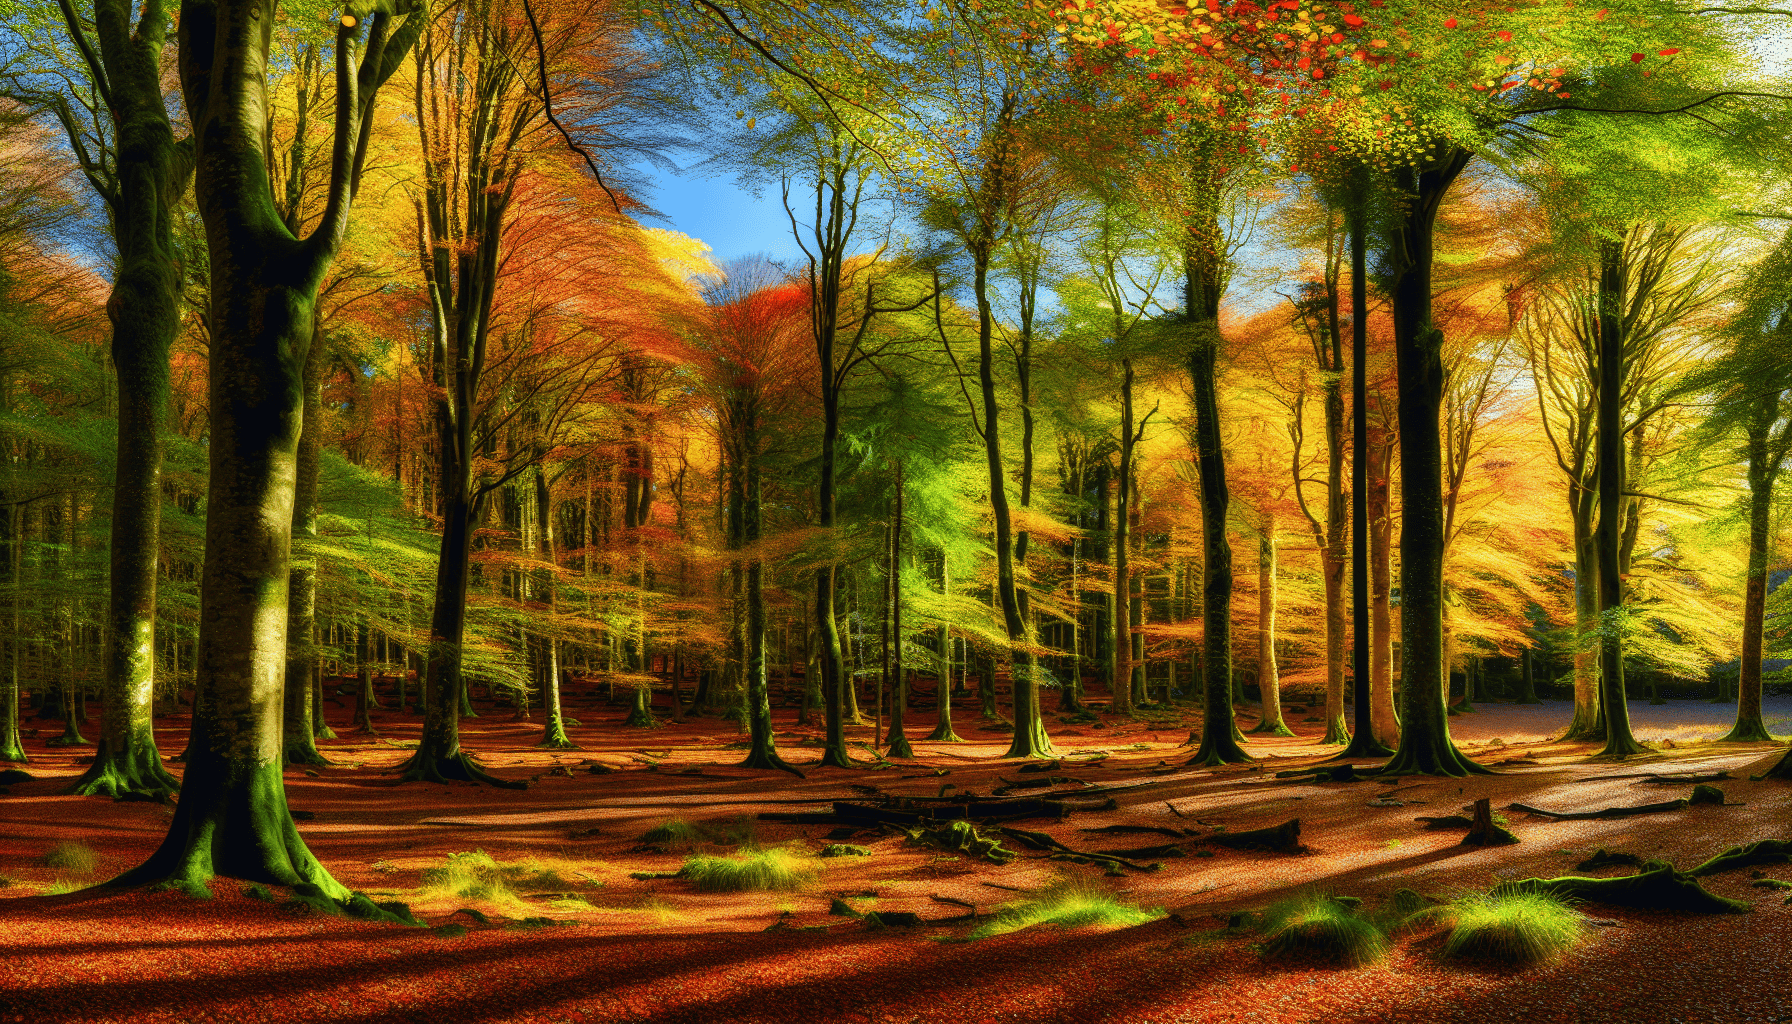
(1517, 928)
(1068, 904)
(755, 871)
(68, 856)
(1322, 926)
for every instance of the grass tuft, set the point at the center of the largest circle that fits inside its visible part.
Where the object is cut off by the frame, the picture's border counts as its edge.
(1071, 904)
(77, 857)
(754, 871)
(1520, 928)
(675, 833)
(1318, 925)
(477, 875)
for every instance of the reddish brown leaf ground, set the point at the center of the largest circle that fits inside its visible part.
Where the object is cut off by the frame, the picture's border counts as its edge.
(657, 951)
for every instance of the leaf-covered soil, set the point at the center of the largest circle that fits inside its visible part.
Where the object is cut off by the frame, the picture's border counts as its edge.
(627, 949)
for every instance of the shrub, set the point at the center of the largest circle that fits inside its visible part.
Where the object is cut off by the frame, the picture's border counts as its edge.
(1067, 905)
(1321, 926)
(1519, 928)
(77, 857)
(756, 871)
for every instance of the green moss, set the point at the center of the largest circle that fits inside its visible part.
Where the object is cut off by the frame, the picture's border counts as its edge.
(76, 857)
(756, 871)
(1072, 904)
(1318, 925)
(1517, 928)
(844, 850)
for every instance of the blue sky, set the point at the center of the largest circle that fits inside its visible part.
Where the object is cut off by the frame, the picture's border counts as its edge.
(715, 208)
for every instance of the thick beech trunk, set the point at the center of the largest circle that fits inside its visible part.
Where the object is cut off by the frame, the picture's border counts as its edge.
(232, 817)
(1608, 536)
(151, 171)
(1425, 744)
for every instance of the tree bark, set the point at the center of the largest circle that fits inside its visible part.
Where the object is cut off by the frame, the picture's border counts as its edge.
(1425, 745)
(232, 817)
(1269, 684)
(1365, 738)
(1218, 745)
(300, 713)
(1381, 584)
(1750, 727)
(144, 312)
(1608, 536)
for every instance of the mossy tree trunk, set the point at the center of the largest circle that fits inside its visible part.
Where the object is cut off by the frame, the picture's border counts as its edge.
(148, 170)
(1425, 744)
(1608, 535)
(232, 817)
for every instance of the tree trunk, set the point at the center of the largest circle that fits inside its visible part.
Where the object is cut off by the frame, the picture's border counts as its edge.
(365, 701)
(1365, 738)
(1608, 536)
(1750, 728)
(764, 750)
(942, 728)
(898, 738)
(1425, 745)
(1381, 586)
(1588, 723)
(300, 715)
(1269, 685)
(1218, 745)
(1030, 739)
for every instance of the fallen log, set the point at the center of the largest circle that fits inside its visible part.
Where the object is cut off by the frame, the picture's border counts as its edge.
(1661, 888)
(1330, 773)
(1159, 830)
(1283, 838)
(1058, 851)
(1166, 850)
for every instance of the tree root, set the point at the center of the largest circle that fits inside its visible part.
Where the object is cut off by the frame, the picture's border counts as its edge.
(1660, 888)
(1766, 851)
(1700, 795)
(768, 760)
(456, 767)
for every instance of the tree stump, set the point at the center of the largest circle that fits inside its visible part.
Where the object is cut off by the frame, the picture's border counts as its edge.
(1483, 832)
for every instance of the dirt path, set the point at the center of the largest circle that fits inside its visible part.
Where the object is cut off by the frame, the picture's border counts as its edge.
(655, 950)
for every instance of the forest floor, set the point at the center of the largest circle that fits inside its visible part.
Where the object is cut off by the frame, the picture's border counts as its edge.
(626, 949)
